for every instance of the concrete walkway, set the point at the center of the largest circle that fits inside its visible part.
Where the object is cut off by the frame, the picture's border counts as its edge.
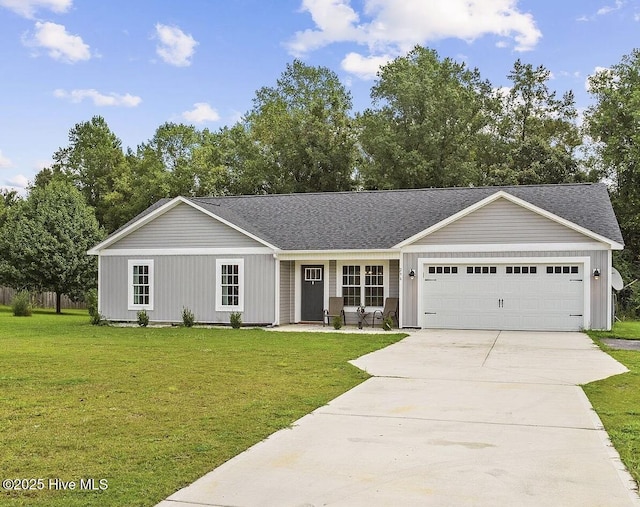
(450, 418)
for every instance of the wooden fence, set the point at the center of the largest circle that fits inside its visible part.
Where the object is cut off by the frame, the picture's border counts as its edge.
(40, 299)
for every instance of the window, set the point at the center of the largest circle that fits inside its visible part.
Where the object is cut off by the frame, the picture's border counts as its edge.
(140, 283)
(485, 270)
(447, 270)
(363, 284)
(374, 286)
(312, 274)
(351, 285)
(229, 285)
(565, 270)
(525, 270)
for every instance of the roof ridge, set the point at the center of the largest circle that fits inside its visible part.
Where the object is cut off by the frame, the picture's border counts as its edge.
(394, 190)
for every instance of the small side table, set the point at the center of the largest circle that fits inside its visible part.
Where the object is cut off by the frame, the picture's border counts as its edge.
(362, 316)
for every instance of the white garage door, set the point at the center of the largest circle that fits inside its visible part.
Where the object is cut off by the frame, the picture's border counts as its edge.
(503, 296)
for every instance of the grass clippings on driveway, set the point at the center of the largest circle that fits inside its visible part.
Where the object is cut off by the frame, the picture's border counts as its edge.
(149, 410)
(617, 399)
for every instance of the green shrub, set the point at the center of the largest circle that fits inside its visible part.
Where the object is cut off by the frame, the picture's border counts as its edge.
(236, 320)
(337, 322)
(188, 318)
(97, 320)
(21, 304)
(143, 318)
(91, 299)
(387, 323)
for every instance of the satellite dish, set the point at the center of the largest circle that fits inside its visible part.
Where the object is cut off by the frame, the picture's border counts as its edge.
(616, 279)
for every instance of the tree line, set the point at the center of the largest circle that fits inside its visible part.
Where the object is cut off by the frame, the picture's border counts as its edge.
(432, 122)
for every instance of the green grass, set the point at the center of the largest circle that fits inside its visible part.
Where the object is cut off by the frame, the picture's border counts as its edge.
(617, 399)
(628, 330)
(151, 409)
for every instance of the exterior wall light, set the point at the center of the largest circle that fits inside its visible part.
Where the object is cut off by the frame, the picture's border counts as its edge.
(412, 274)
(596, 273)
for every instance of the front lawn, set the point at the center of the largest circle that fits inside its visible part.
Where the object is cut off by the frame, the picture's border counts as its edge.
(149, 410)
(617, 399)
(628, 330)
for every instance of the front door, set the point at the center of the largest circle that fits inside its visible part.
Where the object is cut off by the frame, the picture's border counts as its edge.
(312, 293)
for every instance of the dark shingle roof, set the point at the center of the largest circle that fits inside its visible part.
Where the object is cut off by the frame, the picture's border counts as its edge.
(382, 219)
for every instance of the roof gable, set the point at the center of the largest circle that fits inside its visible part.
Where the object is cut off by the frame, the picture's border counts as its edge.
(179, 222)
(513, 221)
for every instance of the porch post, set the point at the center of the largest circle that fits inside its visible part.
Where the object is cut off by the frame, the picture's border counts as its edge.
(276, 320)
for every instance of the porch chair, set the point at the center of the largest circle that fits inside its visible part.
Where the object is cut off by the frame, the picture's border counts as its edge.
(336, 309)
(390, 310)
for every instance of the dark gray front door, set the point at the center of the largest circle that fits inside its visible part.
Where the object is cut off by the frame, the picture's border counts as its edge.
(312, 293)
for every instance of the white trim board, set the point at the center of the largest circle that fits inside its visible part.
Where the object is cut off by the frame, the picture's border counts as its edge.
(128, 252)
(337, 255)
(505, 247)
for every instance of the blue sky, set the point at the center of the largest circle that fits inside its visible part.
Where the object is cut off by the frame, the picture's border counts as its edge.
(140, 63)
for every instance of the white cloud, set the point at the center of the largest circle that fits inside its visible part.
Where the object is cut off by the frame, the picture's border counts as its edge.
(60, 44)
(176, 47)
(19, 181)
(610, 8)
(365, 67)
(5, 163)
(201, 113)
(393, 27)
(335, 20)
(28, 8)
(596, 71)
(99, 99)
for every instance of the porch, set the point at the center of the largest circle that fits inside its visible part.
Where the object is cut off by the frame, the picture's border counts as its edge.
(305, 286)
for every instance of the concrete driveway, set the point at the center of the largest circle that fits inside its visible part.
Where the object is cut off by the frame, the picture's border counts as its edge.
(450, 418)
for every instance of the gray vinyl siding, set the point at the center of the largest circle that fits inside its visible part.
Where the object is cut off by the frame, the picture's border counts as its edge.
(287, 283)
(394, 278)
(599, 288)
(503, 222)
(185, 227)
(189, 281)
(333, 278)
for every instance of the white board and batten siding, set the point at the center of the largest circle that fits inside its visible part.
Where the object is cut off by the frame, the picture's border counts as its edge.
(502, 300)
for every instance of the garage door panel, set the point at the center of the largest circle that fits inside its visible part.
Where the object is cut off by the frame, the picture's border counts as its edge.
(536, 296)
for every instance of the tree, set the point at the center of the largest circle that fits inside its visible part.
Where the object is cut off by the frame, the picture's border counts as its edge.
(428, 120)
(91, 160)
(45, 239)
(613, 123)
(7, 199)
(172, 147)
(302, 131)
(136, 184)
(536, 136)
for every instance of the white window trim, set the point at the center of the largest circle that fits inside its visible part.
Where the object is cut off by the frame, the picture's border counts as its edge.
(229, 308)
(363, 264)
(140, 262)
